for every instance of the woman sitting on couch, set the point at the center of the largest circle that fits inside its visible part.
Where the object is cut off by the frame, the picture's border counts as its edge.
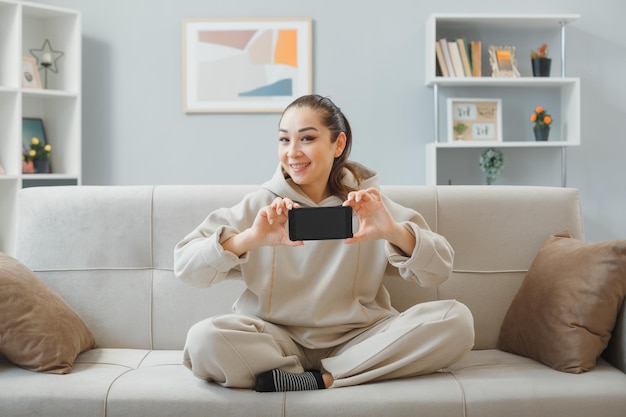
(316, 315)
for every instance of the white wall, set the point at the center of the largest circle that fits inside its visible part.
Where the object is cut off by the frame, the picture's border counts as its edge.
(369, 59)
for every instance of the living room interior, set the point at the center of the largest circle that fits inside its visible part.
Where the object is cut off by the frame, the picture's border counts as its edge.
(94, 318)
(134, 129)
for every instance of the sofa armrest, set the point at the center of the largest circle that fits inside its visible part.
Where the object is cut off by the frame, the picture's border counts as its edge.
(615, 353)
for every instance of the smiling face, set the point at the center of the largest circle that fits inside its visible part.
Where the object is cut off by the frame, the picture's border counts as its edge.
(306, 150)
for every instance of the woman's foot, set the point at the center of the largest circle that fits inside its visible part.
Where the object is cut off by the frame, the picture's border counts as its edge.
(278, 380)
(328, 379)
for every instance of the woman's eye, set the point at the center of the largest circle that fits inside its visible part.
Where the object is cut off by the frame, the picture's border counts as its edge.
(283, 139)
(307, 138)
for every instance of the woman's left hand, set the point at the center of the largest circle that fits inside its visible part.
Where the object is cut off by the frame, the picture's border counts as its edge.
(375, 221)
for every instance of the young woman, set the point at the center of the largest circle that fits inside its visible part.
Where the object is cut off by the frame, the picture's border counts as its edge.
(316, 315)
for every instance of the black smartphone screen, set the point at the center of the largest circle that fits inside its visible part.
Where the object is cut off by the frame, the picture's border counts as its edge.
(320, 223)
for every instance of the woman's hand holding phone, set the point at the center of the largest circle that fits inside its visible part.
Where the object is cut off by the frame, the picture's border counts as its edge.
(268, 229)
(375, 221)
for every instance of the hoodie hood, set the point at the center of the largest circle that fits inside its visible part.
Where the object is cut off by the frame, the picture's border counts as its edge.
(286, 188)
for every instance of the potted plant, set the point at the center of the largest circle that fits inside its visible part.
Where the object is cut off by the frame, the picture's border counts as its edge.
(540, 61)
(491, 163)
(460, 128)
(39, 154)
(541, 123)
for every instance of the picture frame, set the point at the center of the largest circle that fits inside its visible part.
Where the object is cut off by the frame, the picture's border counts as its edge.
(32, 127)
(30, 74)
(245, 65)
(503, 62)
(474, 119)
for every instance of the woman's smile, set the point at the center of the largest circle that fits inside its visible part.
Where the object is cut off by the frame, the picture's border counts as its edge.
(299, 165)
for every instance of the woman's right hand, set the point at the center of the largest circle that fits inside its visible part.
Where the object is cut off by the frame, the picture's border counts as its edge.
(269, 229)
(270, 224)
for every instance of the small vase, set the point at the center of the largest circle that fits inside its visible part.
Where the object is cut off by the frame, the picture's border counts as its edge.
(541, 67)
(541, 135)
(41, 166)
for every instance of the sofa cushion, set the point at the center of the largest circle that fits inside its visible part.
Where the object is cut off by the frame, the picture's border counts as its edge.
(614, 353)
(566, 308)
(38, 330)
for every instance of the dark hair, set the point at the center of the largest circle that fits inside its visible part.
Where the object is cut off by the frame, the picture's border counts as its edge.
(336, 122)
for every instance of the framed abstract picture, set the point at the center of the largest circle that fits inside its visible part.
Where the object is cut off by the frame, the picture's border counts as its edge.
(245, 65)
(474, 119)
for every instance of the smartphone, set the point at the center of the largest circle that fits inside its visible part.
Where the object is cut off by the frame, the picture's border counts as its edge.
(320, 223)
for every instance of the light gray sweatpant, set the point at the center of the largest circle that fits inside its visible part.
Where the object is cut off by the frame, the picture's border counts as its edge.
(233, 349)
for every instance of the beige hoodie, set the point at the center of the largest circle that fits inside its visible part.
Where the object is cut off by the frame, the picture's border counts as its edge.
(325, 292)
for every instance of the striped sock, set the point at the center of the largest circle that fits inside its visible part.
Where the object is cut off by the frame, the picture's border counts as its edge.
(278, 380)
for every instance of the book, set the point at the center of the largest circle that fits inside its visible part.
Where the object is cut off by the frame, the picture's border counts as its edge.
(455, 54)
(446, 56)
(441, 60)
(465, 56)
(476, 47)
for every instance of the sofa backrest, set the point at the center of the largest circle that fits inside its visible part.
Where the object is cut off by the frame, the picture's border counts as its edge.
(108, 250)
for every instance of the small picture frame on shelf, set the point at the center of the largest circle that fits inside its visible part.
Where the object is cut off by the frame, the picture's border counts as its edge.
(33, 128)
(503, 61)
(30, 75)
(474, 119)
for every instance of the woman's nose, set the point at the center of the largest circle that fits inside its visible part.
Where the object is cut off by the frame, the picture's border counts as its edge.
(294, 149)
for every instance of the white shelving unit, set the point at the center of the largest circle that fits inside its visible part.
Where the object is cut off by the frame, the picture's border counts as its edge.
(25, 26)
(559, 94)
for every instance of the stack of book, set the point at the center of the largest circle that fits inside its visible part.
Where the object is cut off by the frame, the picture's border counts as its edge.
(459, 58)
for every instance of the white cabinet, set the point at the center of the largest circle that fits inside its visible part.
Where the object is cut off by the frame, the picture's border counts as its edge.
(25, 26)
(456, 162)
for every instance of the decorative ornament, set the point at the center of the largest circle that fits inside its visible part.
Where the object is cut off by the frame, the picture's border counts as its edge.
(47, 59)
(491, 162)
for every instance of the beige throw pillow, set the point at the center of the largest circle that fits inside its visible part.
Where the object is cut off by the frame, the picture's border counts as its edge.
(566, 308)
(38, 330)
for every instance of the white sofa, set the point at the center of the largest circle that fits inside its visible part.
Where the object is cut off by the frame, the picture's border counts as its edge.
(108, 251)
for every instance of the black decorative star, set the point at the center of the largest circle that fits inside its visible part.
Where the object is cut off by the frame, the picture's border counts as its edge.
(54, 57)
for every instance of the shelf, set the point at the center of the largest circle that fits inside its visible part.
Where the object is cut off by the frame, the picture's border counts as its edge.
(8, 89)
(455, 162)
(30, 92)
(61, 27)
(9, 45)
(51, 177)
(505, 21)
(502, 82)
(561, 96)
(524, 31)
(504, 144)
(48, 180)
(25, 26)
(522, 166)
